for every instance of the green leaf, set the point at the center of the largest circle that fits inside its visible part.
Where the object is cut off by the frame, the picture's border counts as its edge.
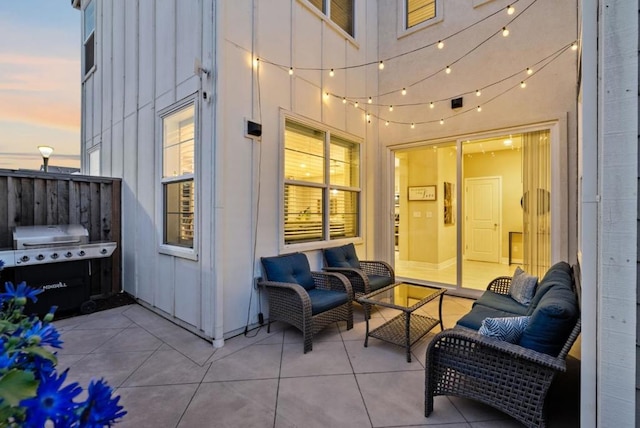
(16, 385)
(41, 352)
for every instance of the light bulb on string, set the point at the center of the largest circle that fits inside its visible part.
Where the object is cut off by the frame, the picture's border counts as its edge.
(386, 123)
(355, 104)
(479, 109)
(574, 46)
(413, 125)
(448, 70)
(344, 100)
(440, 44)
(390, 108)
(369, 100)
(529, 71)
(523, 84)
(381, 65)
(505, 32)
(290, 71)
(510, 10)
(326, 95)
(368, 117)
(478, 92)
(441, 121)
(404, 91)
(331, 73)
(256, 61)
(431, 105)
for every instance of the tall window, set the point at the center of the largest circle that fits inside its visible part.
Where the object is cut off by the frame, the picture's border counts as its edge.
(321, 185)
(340, 12)
(88, 36)
(419, 11)
(178, 149)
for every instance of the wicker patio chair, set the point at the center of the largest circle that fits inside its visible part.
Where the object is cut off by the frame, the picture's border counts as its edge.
(506, 376)
(304, 299)
(365, 276)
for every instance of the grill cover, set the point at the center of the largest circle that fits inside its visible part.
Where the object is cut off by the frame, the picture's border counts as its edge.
(26, 237)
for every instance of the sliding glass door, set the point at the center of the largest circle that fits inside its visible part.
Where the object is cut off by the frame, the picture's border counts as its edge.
(464, 210)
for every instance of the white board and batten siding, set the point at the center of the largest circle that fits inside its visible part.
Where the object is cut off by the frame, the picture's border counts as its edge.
(145, 63)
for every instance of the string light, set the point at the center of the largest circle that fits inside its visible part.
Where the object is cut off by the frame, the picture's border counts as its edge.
(529, 71)
(441, 121)
(326, 95)
(523, 84)
(344, 100)
(369, 100)
(440, 44)
(404, 91)
(510, 10)
(478, 93)
(413, 125)
(431, 105)
(448, 70)
(574, 46)
(368, 117)
(505, 32)
(290, 71)
(331, 73)
(381, 65)
(390, 108)
(479, 109)
(355, 104)
(256, 62)
(386, 123)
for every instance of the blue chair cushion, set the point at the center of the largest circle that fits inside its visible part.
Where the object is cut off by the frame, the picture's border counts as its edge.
(501, 302)
(291, 268)
(558, 275)
(473, 319)
(551, 321)
(323, 300)
(342, 257)
(376, 282)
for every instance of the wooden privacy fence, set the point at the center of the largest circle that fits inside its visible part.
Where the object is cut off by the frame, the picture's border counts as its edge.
(36, 198)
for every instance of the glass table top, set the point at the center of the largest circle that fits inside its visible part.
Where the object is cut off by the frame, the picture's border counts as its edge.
(402, 295)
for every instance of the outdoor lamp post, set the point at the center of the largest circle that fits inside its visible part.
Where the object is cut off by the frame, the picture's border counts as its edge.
(45, 151)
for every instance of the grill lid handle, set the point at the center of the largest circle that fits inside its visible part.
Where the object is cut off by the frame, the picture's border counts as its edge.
(49, 244)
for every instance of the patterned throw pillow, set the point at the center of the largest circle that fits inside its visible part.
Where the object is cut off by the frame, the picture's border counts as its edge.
(508, 329)
(523, 286)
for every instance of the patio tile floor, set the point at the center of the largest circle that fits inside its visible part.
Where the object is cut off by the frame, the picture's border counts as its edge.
(168, 377)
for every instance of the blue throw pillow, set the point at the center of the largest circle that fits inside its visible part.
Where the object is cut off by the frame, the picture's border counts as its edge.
(508, 329)
(523, 286)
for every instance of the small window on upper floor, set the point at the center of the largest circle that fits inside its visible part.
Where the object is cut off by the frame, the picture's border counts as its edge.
(339, 11)
(419, 11)
(88, 37)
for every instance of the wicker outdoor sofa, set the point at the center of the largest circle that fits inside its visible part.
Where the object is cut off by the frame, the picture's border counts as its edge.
(510, 377)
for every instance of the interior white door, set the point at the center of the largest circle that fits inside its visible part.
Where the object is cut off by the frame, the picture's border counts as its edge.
(482, 237)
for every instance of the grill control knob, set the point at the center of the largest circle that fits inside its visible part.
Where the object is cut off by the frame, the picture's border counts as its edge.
(81, 253)
(40, 257)
(68, 254)
(103, 251)
(25, 258)
(54, 256)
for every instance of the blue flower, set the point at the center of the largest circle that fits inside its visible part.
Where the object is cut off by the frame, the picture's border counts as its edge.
(100, 409)
(52, 402)
(21, 291)
(43, 334)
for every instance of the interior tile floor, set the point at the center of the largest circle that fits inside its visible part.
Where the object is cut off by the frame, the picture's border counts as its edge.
(168, 377)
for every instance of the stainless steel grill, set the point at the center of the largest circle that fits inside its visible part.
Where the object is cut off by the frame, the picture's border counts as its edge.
(34, 245)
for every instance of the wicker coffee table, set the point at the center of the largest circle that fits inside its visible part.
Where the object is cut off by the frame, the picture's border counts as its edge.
(407, 327)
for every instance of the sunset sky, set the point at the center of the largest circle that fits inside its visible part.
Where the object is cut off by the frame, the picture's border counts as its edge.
(39, 82)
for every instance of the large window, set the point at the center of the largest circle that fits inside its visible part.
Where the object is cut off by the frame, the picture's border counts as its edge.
(419, 11)
(340, 12)
(88, 37)
(321, 185)
(178, 150)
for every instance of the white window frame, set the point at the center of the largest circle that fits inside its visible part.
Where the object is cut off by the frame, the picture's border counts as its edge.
(190, 253)
(87, 37)
(326, 186)
(325, 15)
(402, 18)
